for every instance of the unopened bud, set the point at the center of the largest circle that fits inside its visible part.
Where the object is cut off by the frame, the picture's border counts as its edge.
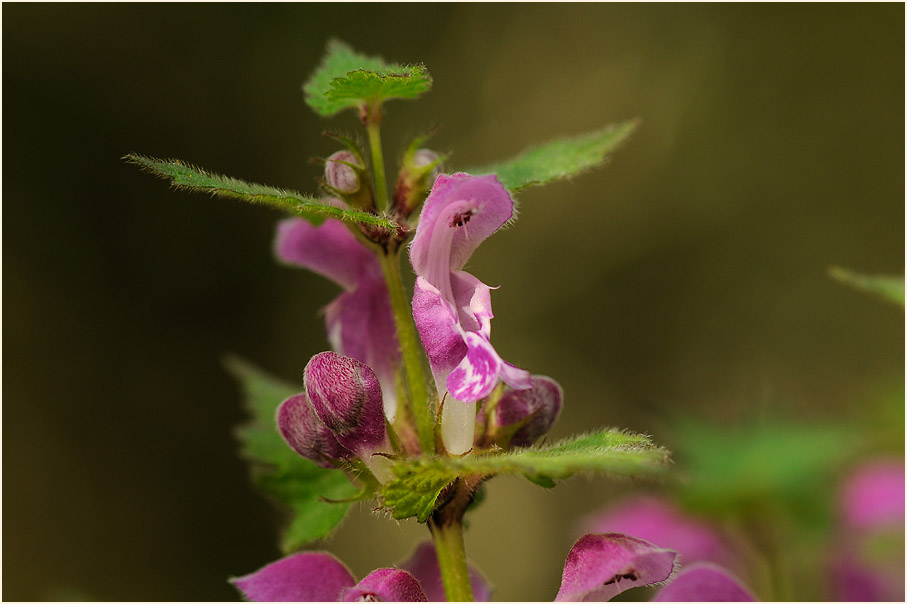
(305, 433)
(346, 396)
(537, 407)
(340, 176)
(417, 175)
(425, 157)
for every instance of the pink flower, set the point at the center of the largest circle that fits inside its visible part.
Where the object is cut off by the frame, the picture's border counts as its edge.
(320, 577)
(601, 566)
(359, 321)
(868, 560)
(452, 308)
(659, 521)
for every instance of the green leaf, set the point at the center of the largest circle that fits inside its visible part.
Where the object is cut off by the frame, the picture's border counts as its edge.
(781, 464)
(889, 287)
(278, 471)
(559, 159)
(610, 452)
(416, 489)
(348, 79)
(186, 176)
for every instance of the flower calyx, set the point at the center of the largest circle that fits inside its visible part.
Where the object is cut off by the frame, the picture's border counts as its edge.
(419, 169)
(346, 177)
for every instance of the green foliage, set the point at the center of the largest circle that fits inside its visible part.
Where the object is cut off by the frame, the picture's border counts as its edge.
(416, 489)
(780, 464)
(559, 159)
(610, 452)
(279, 472)
(888, 287)
(185, 176)
(347, 79)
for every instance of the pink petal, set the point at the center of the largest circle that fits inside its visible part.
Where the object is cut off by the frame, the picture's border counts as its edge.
(305, 433)
(423, 564)
(855, 581)
(330, 250)
(601, 566)
(386, 585)
(441, 336)
(873, 496)
(659, 521)
(704, 582)
(361, 326)
(482, 203)
(346, 396)
(472, 300)
(477, 374)
(302, 577)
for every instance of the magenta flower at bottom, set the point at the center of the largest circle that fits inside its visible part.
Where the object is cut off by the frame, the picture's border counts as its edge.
(660, 521)
(868, 560)
(598, 568)
(601, 566)
(320, 577)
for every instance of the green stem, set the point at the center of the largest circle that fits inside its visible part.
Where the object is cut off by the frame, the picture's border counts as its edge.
(410, 348)
(373, 126)
(448, 540)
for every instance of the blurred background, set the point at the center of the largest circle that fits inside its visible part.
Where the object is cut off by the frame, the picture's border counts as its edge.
(681, 291)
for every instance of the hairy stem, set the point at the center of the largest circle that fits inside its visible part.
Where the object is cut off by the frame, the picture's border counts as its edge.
(410, 347)
(448, 538)
(373, 126)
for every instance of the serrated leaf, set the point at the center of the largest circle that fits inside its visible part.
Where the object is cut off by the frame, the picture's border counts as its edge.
(348, 79)
(611, 452)
(889, 287)
(559, 159)
(415, 490)
(186, 176)
(293, 481)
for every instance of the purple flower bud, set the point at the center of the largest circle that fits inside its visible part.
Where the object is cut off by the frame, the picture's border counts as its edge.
(415, 180)
(305, 433)
(346, 396)
(425, 157)
(539, 406)
(338, 175)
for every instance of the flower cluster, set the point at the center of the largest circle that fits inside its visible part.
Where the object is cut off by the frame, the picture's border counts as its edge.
(598, 568)
(452, 312)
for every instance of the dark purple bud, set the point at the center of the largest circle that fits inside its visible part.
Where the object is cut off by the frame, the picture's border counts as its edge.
(340, 176)
(346, 396)
(385, 585)
(305, 433)
(538, 406)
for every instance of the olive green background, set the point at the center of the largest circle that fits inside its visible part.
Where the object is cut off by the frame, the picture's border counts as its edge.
(685, 280)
